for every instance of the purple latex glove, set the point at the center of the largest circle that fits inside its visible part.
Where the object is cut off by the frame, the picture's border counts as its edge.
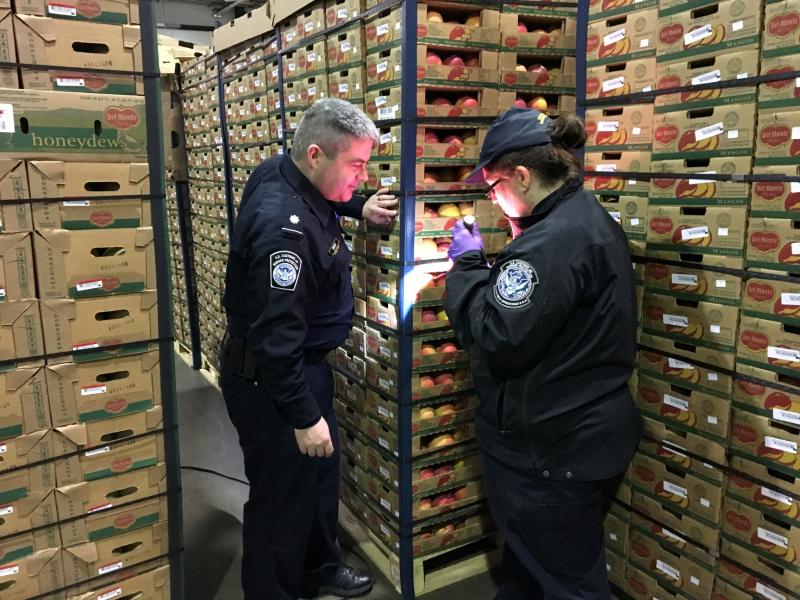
(464, 240)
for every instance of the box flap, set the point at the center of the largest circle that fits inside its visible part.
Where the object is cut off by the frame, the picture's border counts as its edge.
(131, 36)
(161, 577)
(84, 552)
(38, 561)
(144, 236)
(11, 311)
(65, 370)
(156, 474)
(77, 492)
(149, 299)
(138, 173)
(50, 171)
(9, 240)
(7, 165)
(154, 417)
(41, 26)
(25, 506)
(59, 239)
(25, 443)
(77, 433)
(150, 360)
(20, 376)
(63, 306)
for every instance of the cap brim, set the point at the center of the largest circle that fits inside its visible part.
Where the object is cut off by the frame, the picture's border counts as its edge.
(477, 175)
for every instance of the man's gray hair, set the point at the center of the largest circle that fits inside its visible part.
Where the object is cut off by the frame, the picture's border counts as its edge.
(332, 124)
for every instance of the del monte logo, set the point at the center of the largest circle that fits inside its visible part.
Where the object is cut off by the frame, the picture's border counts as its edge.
(121, 118)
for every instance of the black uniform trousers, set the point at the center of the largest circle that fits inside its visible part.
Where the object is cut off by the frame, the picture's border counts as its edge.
(291, 515)
(553, 533)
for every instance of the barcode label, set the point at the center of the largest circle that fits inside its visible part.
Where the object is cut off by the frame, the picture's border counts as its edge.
(674, 402)
(309, 26)
(675, 320)
(344, 88)
(694, 233)
(773, 538)
(383, 412)
(110, 594)
(613, 84)
(62, 10)
(710, 77)
(86, 346)
(607, 126)
(6, 510)
(708, 132)
(786, 416)
(697, 35)
(91, 390)
(385, 504)
(671, 536)
(382, 442)
(768, 592)
(110, 568)
(76, 203)
(386, 113)
(779, 444)
(668, 570)
(676, 489)
(386, 137)
(614, 37)
(683, 279)
(311, 57)
(674, 363)
(12, 570)
(98, 451)
(382, 29)
(385, 472)
(789, 354)
(796, 133)
(6, 118)
(634, 222)
(790, 299)
(382, 67)
(345, 46)
(70, 82)
(777, 496)
(713, 377)
(386, 181)
(341, 13)
(721, 283)
(606, 168)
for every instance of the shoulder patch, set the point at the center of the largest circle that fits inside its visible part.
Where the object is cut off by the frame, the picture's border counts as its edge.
(515, 284)
(285, 268)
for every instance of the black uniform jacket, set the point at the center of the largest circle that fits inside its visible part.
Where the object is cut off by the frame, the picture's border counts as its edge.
(551, 332)
(287, 283)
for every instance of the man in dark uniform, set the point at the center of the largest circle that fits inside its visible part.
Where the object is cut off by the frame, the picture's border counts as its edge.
(550, 328)
(289, 302)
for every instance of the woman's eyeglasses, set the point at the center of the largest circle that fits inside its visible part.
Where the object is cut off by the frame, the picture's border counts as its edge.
(490, 189)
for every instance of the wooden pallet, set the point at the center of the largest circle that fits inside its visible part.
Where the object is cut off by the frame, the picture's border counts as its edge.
(431, 572)
(207, 369)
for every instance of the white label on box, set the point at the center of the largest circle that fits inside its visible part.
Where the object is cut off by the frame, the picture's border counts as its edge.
(386, 137)
(6, 510)
(292, 97)
(722, 232)
(670, 447)
(684, 279)
(614, 37)
(110, 568)
(777, 496)
(698, 34)
(674, 363)
(62, 10)
(608, 567)
(387, 113)
(789, 354)
(12, 570)
(710, 77)
(387, 181)
(292, 67)
(694, 233)
(615, 215)
(712, 419)
(86, 346)
(606, 168)
(715, 329)
(705, 502)
(713, 377)
(309, 26)
(773, 538)
(311, 57)
(796, 133)
(694, 580)
(674, 402)
(779, 444)
(675, 320)
(636, 130)
(2, 293)
(95, 509)
(733, 134)
(344, 88)
(349, 245)
(708, 132)
(382, 66)
(91, 390)
(384, 471)
(795, 247)
(721, 283)
(768, 592)
(70, 82)
(6, 118)
(111, 594)
(635, 222)
(386, 251)
(665, 568)
(274, 73)
(384, 530)
(385, 504)
(647, 89)
(312, 91)
(613, 84)
(786, 416)
(98, 451)
(345, 46)
(382, 29)
(788, 299)
(676, 489)
(3, 448)
(383, 318)
(383, 443)
(76, 203)
(608, 126)
(644, 43)
(290, 35)
(383, 412)
(671, 536)
(737, 26)
(384, 287)
(613, 537)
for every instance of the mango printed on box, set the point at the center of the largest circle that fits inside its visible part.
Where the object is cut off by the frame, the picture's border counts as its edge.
(773, 244)
(781, 93)
(620, 79)
(619, 127)
(624, 37)
(697, 230)
(776, 198)
(699, 191)
(778, 137)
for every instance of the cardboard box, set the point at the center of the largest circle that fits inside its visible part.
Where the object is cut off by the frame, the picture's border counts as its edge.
(483, 74)
(384, 30)
(434, 102)
(697, 230)
(621, 78)
(697, 322)
(776, 198)
(619, 128)
(347, 84)
(341, 11)
(33, 575)
(761, 581)
(777, 499)
(725, 591)
(16, 267)
(609, 162)
(640, 585)
(20, 330)
(89, 325)
(722, 26)
(769, 344)
(8, 77)
(702, 70)
(776, 541)
(557, 37)
(699, 191)
(383, 104)
(312, 59)
(770, 443)
(81, 264)
(629, 211)
(773, 244)
(429, 444)
(463, 149)
(85, 392)
(117, 12)
(624, 37)
(615, 567)
(41, 40)
(694, 283)
(153, 584)
(483, 33)
(778, 138)
(672, 527)
(432, 415)
(62, 125)
(383, 69)
(110, 555)
(346, 48)
(781, 36)
(669, 567)
(681, 448)
(772, 299)
(615, 527)
(705, 132)
(609, 8)
(549, 75)
(14, 216)
(258, 21)
(766, 393)
(85, 184)
(782, 93)
(33, 510)
(23, 408)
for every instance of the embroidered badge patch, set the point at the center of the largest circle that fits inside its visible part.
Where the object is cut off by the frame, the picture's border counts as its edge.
(285, 268)
(515, 284)
(335, 245)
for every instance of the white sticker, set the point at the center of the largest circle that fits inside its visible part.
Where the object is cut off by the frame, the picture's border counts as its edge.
(615, 215)
(777, 496)
(383, 443)
(382, 29)
(637, 131)
(311, 57)
(312, 91)
(788, 299)
(387, 113)
(70, 82)
(676, 489)
(6, 510)
(722, 232)
(635, 222)
(644, 43)
(667, 569)
(705, 502)
(91, 390)
(76, 203)
(674, 363)
(768, 592)
(382, 67)
(387, 181)
(386, 504)
(383, 318)
(62, 10)
(385, 383)
(708, 132)
(341, 13)
(715, 329)
(789, 354)
(675, 320)
(694, 233)
(742, 76)
(796, 133)
(110, 568)
(344, 88)
(386, 251)
(613, 84)
(97, 451)
(737, 26)
(786, 416)
(384, 530)
(386, 137)
(292, 67)
(345, 46)
(773, 538)
(697, 35)
(712, 420)
(111, 594)
(647, 89)
(674, 402)
(3, 448)
(613, 537)
(86, 346)
(309, 26)
(795, 247)
(95, 509)
(384, 472)
(671, 447)
(710, 77)
(721, 283)
(382, 411)
(2, 293)
(12, 570)
(797, 82)
(694, 580)
(733, 134)
(7, 118)
(779, 444)
(606, 168)
(684, 279)
(291, 97)
(614, 37)
(608, 126)
(671, 536)
(713, 377)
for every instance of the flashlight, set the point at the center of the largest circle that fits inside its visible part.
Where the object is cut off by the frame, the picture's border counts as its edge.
(469, 221)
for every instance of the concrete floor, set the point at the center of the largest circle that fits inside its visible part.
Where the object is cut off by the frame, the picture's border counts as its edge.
(213, 505)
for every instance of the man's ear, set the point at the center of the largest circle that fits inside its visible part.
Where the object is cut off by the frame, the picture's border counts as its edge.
(313, 154)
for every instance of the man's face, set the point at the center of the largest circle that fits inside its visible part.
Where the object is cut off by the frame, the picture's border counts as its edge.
(338, 178)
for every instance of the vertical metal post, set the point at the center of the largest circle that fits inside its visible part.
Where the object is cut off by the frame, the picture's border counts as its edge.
(184, 210)
(580, 58)
(408, 107)
(152, 93)
(226, 151)
(282, 129)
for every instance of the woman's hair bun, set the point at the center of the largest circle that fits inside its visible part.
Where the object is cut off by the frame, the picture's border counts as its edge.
(568, 132)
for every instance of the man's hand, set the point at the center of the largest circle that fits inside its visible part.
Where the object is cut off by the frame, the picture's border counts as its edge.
(464, 240)
(378, 209)
(316, 440)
